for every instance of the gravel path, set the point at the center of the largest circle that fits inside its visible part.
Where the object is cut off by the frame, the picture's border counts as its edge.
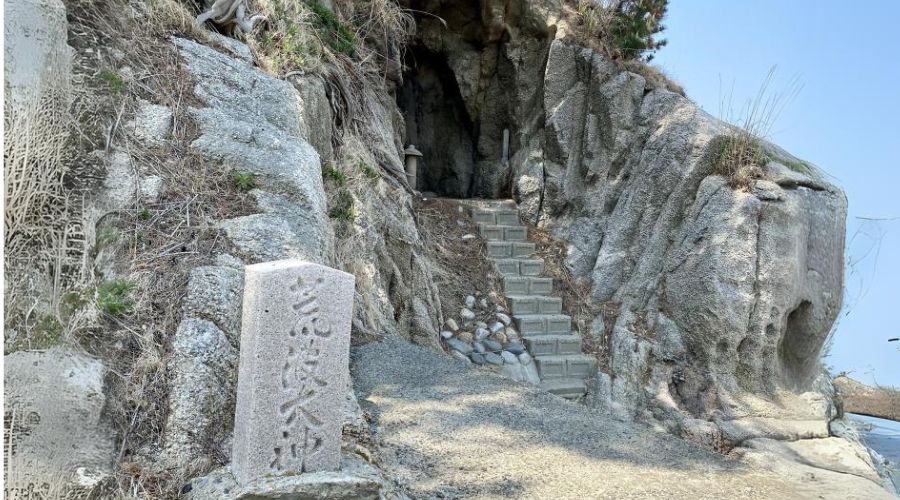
(448, 431)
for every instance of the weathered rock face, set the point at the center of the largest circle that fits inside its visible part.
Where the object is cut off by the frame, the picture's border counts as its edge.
(719, 291)
(54, 415)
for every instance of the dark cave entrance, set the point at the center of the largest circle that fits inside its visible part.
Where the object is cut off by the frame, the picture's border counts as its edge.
(438, 124)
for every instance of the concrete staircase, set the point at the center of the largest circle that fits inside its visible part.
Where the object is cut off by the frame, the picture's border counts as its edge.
(536, 313)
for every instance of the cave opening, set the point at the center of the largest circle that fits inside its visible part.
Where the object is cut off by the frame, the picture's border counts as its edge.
(799, 349)
(438, 124)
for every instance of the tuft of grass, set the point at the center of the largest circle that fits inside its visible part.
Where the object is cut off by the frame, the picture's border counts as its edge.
(114, 80)
(145, 214)
(336, 34)
(106, 236)
(367, 170)
(739, 158)
(329, 173)
(243, 181)
(342, 209)
(112, 297)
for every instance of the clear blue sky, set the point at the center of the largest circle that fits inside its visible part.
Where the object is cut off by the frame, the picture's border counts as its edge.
(846, 120)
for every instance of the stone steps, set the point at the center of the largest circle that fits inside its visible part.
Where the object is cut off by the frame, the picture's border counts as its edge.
(566, 366)
(543, 345)
(542, 324)
(536, 313)
(520, 267)
(509, 249)
(527, 285)
(503, 233)
(533, 304)
(569, 388)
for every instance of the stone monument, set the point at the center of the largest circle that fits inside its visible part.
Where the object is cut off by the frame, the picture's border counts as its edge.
(294, 369)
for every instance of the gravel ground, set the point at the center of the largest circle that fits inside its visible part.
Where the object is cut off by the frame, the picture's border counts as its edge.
(447, 431)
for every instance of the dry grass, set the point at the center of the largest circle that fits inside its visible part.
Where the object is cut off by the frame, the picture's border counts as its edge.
(576, 295)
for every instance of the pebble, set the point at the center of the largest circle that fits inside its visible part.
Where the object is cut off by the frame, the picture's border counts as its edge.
(466, 314)
(446, 334)
(460, 346)
(465, 336)
(500, 309)
(479, 347)
(484, 305)
(481, 334)
(470, 302)
(451, 325)
(509, 358)
(476, 358)
(497, 327)
(500, 337)
(506, 320)
(460, 356)
(492, 345)
(493, 359)
(481, 324)
(511, 332)
(467, 237)
(525, 358)
(515, 348)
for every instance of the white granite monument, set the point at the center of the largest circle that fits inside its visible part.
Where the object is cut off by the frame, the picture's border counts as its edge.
(294, 369)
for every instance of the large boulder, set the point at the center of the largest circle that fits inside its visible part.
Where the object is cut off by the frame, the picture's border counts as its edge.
(58, 437)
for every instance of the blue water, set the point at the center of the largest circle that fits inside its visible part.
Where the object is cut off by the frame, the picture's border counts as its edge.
(882, 436)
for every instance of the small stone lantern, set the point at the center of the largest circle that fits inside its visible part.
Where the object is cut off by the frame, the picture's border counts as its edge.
(411, 163)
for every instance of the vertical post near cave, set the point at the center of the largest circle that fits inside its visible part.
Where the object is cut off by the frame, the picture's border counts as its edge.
(294, 369)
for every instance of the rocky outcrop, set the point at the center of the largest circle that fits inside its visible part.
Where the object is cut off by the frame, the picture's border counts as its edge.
(720, 291)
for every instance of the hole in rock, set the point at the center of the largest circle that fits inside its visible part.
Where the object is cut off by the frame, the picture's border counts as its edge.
(799, 349)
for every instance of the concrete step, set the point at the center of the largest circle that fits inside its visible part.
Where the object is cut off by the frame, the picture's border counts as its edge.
(566, 365)
(568, 388)
(496, 216)
(530, 325)
(520, 267)
(509, 249)
(548, 345)
(503, 233)
(534, 304)
(525, 285)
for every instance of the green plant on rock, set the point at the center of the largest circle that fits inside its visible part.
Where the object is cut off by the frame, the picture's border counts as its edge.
(367, 169)
(243, 181)
(738, 157)
(113, 297)
(114, 80)
(336, 34)
(342, 208)
(329, 173)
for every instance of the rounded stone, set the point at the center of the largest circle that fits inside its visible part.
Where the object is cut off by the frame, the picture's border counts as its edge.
(493, 359)
(525, 358)
(509, 358)
(511, 332)
(484, 305)
(497, 327)
(492, 345)
(515, 348)
(466, 314)
(465, 336)
(506, 320)
(480, 324)
(481, 334)
(500, 337)
(460, 356)
(476, 358)
(459, 345)
(451, 325)
(446, 334)
(479, 347)
(470, 302)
